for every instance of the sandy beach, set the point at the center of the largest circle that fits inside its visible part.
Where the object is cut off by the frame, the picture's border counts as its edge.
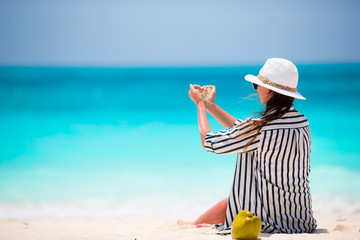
(330, 226)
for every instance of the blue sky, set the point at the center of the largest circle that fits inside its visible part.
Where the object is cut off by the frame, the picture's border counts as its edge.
(155, 32)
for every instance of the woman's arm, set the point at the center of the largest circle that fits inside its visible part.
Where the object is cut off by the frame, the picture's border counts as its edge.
(203, 121)
(218, 113)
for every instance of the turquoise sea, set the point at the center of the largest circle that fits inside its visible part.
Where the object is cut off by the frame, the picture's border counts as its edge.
(115, 142)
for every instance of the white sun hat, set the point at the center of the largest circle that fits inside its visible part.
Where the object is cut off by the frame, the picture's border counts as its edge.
(279, 75)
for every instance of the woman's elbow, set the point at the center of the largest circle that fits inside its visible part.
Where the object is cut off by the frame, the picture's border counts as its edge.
(203, 145)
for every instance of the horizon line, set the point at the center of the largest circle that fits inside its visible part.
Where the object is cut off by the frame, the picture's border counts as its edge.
(163, 65)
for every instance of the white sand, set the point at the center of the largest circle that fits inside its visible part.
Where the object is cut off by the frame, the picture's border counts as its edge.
(329, 227)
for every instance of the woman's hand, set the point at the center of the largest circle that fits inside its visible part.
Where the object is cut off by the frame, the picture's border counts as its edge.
(212, 94)
(194, 93)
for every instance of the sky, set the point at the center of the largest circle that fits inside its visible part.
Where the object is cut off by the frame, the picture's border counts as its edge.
(184, 32)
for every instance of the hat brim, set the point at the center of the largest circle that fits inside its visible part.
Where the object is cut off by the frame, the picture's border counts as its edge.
(254, 79)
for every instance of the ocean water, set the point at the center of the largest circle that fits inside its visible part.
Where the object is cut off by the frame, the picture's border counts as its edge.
(115, 142)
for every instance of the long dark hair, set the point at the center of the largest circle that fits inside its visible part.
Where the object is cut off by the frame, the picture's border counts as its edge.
(275, 108)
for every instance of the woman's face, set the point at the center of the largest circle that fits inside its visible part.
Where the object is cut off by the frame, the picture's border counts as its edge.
(264, 94)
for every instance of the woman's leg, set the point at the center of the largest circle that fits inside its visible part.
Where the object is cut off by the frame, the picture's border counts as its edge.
(216, 214)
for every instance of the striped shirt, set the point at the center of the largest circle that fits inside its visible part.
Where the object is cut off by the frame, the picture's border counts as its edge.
(271, 176)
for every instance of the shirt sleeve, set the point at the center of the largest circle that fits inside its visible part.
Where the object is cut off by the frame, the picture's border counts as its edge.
(232, 140)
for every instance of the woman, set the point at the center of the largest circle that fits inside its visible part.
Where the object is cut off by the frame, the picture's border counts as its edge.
(273, 154)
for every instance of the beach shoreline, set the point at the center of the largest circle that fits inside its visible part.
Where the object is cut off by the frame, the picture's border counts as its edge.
(330, 226)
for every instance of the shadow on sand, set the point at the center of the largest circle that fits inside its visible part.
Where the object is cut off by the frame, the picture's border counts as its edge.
(317, 231)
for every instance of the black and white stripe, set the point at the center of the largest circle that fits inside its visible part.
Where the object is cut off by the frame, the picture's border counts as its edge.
(271, 176)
